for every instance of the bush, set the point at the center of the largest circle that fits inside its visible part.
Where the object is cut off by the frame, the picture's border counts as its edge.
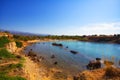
(12, 66)
(5, 54)
(19, 44)
(3, 40)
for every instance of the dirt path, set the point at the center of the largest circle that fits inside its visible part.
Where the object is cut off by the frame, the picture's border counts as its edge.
(11, 62)
(32, 70)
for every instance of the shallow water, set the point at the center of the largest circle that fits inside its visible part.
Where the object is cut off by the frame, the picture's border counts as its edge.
(73, 63)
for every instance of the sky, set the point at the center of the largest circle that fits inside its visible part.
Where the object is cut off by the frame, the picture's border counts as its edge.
(61, 17)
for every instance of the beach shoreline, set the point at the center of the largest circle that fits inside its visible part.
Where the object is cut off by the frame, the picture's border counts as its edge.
(31, 69)
(38, 72)
(34, 69)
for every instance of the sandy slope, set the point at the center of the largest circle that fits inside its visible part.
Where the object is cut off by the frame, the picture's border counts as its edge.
(31, 69)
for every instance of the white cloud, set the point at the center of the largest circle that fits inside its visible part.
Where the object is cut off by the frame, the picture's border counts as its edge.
(91, 29)
(105, 28)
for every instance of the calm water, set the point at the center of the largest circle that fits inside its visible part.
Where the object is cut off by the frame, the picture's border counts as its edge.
(74, 63)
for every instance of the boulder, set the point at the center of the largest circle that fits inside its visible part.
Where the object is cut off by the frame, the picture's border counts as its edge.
(93, 65)
(98, 59)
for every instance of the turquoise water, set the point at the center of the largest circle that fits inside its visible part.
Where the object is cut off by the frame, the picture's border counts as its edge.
(74, 63)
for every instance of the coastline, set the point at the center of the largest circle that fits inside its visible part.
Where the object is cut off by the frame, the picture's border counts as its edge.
(35, 71)
(31, 68)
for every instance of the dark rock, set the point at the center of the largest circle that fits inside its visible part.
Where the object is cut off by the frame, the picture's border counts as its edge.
(57, 44)
(93, 65)
(53, 56)
(98, 59)
(31, 54)
(74, 52)
(1, 58)
(56, 63)
(75, 78)
(119, 62)
(18, 56)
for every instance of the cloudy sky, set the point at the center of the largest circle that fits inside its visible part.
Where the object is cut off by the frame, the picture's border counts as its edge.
(61, 17)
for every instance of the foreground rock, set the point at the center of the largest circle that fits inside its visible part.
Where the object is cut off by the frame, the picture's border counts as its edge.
(95, 64)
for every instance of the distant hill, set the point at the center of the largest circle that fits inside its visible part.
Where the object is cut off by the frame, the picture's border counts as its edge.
(23, 33)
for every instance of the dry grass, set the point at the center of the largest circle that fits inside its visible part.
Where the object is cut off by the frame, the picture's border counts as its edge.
(112, 72)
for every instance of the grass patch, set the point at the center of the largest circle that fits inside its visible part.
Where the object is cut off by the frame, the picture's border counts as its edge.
(6, 54)
(22, 60)
(3, 40)
(18, 44)
(4, 70)
(5, 77)
(8, 68)
(12, 66)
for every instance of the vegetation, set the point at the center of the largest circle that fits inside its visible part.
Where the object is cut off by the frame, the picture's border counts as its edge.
(112, 72)
(8, 68)
(24, 38)
(91, 38)
(4, 70)
(19, 44)
(12, 66)
(5, 77)
(3, 40)
(5, 54)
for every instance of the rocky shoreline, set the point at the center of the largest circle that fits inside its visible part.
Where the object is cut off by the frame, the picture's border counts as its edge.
(35, 71)
(33, 67)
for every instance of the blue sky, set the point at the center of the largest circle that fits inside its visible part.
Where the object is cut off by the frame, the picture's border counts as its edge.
(61, 17)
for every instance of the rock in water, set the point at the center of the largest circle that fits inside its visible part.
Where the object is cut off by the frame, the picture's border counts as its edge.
(57, 44)
(74, 52)
(53, 56)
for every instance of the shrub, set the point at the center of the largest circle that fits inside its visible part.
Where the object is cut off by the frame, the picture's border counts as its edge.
(19, 65)
(19, 44)
(3, 40)
(5, 54)
(12, 66)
